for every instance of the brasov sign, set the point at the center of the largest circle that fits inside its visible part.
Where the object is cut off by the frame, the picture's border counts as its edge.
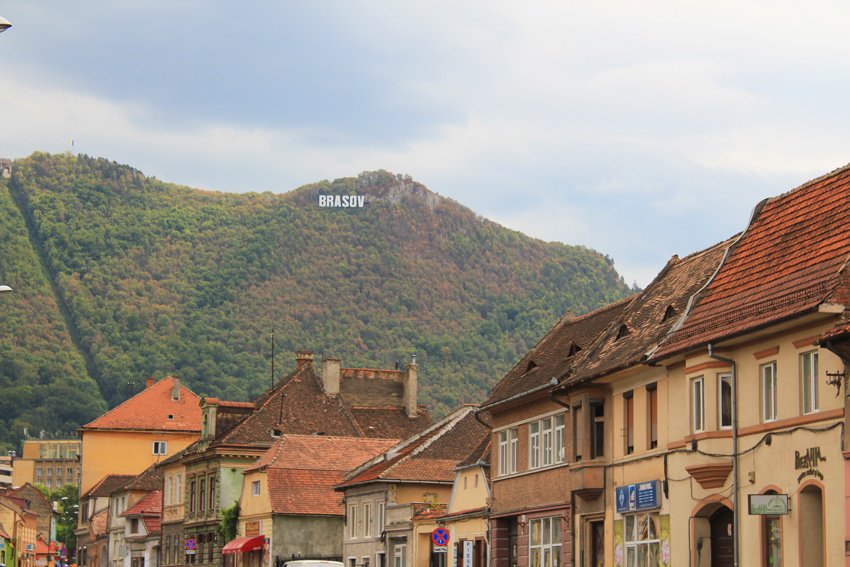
(342, 201)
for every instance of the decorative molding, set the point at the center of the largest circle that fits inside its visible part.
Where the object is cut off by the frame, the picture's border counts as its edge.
(712, 475)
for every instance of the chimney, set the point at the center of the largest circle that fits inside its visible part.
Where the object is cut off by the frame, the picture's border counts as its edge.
(410, 388)
(175, 390)
(303, 357)
(330, 375)
(149, 382)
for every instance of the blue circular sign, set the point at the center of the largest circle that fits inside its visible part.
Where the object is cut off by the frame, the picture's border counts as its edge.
(190, 544)
(440, 536)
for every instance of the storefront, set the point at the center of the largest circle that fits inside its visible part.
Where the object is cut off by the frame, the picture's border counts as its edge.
(246, 551)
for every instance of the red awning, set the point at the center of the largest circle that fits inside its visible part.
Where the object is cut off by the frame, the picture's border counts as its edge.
(244, 544)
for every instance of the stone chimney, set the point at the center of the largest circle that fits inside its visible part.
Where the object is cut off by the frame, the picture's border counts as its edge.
(150, 382)
(175, 390)
(410, 375)
(330, 375)
(303, 357)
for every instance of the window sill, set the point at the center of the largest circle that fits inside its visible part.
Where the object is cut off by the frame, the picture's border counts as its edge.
(532, 471)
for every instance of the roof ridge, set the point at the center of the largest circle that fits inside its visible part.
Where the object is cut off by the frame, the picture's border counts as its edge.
(137, 394)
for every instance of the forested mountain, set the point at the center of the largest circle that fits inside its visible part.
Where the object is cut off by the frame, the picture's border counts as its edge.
(119, 276)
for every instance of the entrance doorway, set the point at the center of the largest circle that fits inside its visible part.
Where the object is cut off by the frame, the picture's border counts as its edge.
(597, 544)
(722, 542)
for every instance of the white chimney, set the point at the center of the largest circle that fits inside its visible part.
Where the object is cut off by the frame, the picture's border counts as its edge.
(330, 375)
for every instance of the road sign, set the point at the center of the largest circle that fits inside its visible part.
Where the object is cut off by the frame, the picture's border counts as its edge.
(440, 537)
(191, 546)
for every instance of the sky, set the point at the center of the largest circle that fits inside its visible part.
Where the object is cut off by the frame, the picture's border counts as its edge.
(638, 129)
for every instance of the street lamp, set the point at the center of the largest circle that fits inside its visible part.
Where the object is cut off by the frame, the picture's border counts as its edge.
(4, 24)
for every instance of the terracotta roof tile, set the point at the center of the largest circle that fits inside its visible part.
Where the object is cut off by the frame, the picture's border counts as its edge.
(98, 522)
(107, 485)
(148, 505)
(553, 355)
(149, 479)
(791, 258)
(649, 317)
(150, 410)
(430, 456)
(389, 421)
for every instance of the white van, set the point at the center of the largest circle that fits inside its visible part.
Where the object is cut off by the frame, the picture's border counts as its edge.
(313, 563)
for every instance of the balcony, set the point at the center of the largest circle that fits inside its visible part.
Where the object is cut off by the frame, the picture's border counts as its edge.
(587, 480)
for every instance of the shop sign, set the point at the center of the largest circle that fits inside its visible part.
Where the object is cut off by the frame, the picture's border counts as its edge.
(809, 462)
(252, 529)
(468, 548)
(639, 496)
(768, 504)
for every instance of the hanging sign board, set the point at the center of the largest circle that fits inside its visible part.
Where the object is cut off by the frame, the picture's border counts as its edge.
(768, 504)
(639, 496)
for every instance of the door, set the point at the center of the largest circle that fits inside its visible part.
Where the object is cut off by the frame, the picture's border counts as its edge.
(597, 544)
(722, 550)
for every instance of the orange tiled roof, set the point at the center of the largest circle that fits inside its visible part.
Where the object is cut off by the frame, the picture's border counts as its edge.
(154, 409)
(149, 505)
(649, 317)
(791, 259)
(430, 456)
(553, 356)
(302, 470)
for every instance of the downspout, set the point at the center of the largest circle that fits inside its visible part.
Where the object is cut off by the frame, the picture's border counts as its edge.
(736, 511)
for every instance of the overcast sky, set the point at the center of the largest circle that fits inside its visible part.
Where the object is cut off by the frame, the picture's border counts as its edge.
(639, 129)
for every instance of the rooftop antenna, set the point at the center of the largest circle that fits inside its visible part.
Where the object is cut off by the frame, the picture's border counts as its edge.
(272, 357)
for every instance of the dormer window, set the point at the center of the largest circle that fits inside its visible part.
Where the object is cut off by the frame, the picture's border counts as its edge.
(623, 332)
(574, 348)
(531, 366)
(669, 313)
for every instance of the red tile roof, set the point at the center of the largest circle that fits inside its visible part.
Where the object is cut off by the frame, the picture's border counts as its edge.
(553, 355)
(791, 258)
(430, 456)
(150, 409)
(107, 485)
(302, 470)
(648, 318)
(149, 505)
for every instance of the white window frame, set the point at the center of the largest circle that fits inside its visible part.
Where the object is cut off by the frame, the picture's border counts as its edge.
(698, 404)
(635, 543)
(160, 448)
(809, 381)
(352, 521)
(381, 516)
(508, 451)
(560, 438)
(400, 555)
(768, 391)
(547, 445)
(367, 519)
(550, 541)
(255, 488)
(724, 379)
(534, 445)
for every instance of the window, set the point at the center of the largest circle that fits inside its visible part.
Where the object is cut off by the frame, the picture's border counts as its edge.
(724, 400)
(400, 555)
(380, 559)
(641, 539)
(134, 526)
(508, 451)
(203, 495)
(69, 472)
(49, 472)
(544, 542)
(211, 501)
(772, 538)
(534, 445)
(381, 516)
(652, 415)
(166, 497)
(255, 488)
(192, 495)
(808, 377)
(546, 442)
(178, 489)
(367, 520)
(597, 429)
(160, 447)
(629, 422)
(352, 522)
(49, 483)
(560, 442)
(578, 432)
(768, 391)
(697, 400)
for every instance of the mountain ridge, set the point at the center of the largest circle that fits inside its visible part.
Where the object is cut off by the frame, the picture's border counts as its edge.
(163, 279)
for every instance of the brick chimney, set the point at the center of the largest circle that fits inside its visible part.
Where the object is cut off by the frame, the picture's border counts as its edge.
(410, 375)
(150, 382)
(330, 375)
(303, 357)
(175, 390)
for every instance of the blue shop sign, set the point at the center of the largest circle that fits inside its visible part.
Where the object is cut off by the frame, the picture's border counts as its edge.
(639, 496)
